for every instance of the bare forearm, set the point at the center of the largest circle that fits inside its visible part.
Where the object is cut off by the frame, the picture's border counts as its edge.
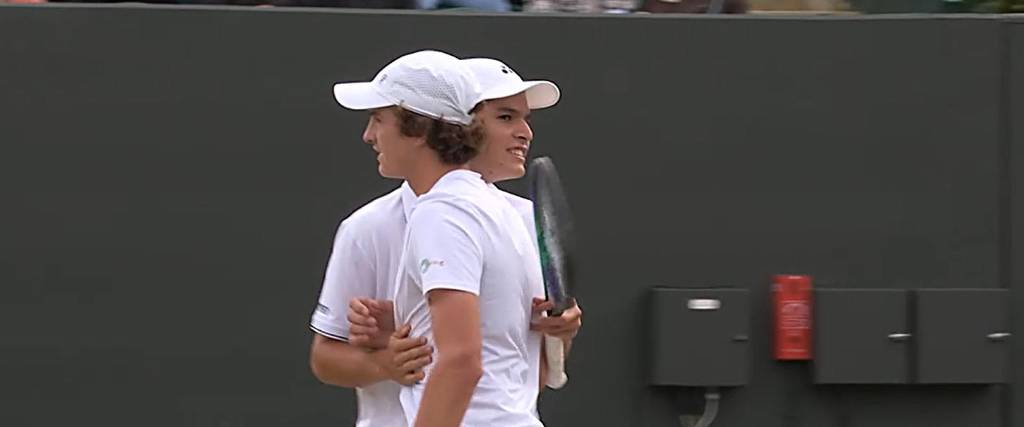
(456, 319)
(447, 394)
(344, 365)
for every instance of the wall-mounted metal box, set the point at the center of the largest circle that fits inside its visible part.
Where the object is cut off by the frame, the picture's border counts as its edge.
(699, 337)
(861, 336)
(962, 336)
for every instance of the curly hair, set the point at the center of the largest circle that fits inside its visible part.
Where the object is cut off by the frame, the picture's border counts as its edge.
(454, 144)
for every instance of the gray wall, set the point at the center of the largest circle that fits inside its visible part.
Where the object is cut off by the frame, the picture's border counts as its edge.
(171, 181)
(1013, 116)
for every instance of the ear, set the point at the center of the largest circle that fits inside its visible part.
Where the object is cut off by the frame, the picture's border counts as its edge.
(419, 142)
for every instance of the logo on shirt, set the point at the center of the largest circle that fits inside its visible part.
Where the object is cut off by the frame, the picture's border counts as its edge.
(323, 309)
(426, 263)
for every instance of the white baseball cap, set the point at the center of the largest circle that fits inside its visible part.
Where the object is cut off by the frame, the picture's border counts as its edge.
(428, 82)
(499, 81)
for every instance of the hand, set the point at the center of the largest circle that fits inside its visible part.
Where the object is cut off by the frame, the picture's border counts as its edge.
(406, 357)
(371, 322)
(565, 326)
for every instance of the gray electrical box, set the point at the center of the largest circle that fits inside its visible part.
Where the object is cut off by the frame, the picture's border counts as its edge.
(962, 336)
(699, 337)
(861, 336)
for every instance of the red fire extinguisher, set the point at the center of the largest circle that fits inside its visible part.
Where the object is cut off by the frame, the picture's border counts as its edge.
(791, 295)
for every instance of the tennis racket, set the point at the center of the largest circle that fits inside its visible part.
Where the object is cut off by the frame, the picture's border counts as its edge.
(554, 238)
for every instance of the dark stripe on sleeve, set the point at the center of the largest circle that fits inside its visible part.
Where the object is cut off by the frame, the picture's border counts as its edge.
(328, 334)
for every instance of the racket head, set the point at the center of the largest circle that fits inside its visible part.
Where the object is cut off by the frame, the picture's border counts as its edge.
(555, 233)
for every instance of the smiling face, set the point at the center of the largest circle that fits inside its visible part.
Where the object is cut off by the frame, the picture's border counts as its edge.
(507, 138)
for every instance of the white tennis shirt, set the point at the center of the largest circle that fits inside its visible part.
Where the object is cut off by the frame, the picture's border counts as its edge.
(364, 263)
(464, 235)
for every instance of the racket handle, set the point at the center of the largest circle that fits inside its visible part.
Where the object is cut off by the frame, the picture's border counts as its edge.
(554, 350)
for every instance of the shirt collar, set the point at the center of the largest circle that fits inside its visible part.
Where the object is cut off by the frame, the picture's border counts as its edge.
(461, 175)
(408, 199)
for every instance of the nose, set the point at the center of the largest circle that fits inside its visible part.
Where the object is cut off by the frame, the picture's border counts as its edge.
(524, 132)
(368, 133)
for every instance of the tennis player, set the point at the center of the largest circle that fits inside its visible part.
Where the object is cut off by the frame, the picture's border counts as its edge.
(437, 92)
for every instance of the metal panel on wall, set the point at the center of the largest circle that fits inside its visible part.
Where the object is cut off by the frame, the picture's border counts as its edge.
(699, 337)
(962, 336)
(172, 180)
(861, 336)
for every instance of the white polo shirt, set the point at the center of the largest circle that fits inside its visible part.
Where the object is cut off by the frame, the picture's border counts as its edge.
(364, 263)
(464, 235)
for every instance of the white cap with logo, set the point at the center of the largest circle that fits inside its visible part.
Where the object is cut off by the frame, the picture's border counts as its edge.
(434, 84)
(499, 81)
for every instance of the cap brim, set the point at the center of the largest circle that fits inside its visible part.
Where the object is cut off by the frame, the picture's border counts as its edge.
(539, 93)
(359, 96)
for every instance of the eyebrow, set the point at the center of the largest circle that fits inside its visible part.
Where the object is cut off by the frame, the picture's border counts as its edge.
(511, 110)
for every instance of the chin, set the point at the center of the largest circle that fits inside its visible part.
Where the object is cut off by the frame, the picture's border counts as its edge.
(384, 172)
(511, 174)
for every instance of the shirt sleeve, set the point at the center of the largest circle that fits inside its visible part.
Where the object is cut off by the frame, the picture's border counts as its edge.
(350, 273)
(445, 247)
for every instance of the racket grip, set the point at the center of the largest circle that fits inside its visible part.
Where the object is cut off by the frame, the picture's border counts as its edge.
(554, 350)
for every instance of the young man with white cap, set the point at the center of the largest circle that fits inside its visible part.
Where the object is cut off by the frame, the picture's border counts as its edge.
(436, 93)
(464, 244)
(505, 112)
(471, 273)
